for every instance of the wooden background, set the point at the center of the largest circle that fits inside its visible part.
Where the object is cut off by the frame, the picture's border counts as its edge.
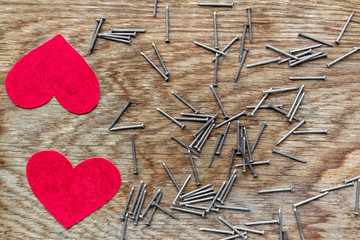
(124, 74)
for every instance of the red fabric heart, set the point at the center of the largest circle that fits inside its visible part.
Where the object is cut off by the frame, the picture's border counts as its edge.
(68, 193)
(54, 68)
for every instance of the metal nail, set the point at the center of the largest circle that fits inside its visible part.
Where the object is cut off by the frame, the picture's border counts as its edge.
(314, 39)
(344, 28)
(114, 35)
(295, 101)
(118, 34)
(297, 106)
(94, 38)
(134, 154)
(241, 65)
(197, 139)
(250, 25)
(171, 177)
(262, 222)
(196, 201)
(191, 119)
(215, 72)
(282, 111)
(200, 196)
(218, 151)
(218, 101)
(299, 224)
(128, 127)
(138, 202)
(171, 118)
(232, 208)
(351, 179)
(308, 78)
(215, 33)
(184, 102)
(140, 207)
(155, 8)
(115, 39)
(216, 196)
(165, 211)
(305, 48)
(185, 146)
(262, 232)
(280, 90)
(243, 113)
(194, 168)
(137, 30)
(337, 187)
(210, 48)
(288, 155)
(211, 120)
(148, 222)
(235, 236)
(263, 125)
(206, 136)
(167, 25)
(228, 189)
(216, 231)
(196, 191)
(127, 104)
(197, 194)
(238, 137)
(202, 213)
(136, 197)
(216, 4)
(197, 115)
(231, 227)
(212, 157)
(310, 199)
(276, 190)
(298, 55)
(316, 131)
(154, 66)
(242, 45)
(342, 57)
(166, 72)
(122, 237)
(259, 104)
(93, 34)
(280, 225)
(222, 192)
(206, 133)
(254, 163)
(291, 131)
(157, 193)
(201, 207)
(181, 189)
(282, 52)
(357, 196)
(284, 235)
(226, 47)
(307, 58)
(250, 160)
(263, 62)
(122, 216)
(233, 153)
(264, 106)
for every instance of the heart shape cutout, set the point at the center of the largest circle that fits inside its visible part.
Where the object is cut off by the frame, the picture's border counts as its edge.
(54, 68)
(68, 193)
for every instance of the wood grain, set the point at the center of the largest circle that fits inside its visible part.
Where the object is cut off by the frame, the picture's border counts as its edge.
(124, 74)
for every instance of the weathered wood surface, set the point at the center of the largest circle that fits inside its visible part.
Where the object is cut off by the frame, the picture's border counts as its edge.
(124, 74)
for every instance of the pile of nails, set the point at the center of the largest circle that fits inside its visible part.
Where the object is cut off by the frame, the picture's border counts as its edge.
(188, 201)
(117, 35)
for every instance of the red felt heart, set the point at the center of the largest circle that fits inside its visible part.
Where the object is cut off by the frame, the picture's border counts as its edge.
(54, 68)
(68, 193)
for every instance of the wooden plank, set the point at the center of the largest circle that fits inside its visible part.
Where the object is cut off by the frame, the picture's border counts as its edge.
(124, 74)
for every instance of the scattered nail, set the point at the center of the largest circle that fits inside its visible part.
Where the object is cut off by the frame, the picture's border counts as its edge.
(263, 125)
(216, 4)
(316, 131)
(218, 151)
(122, 237)
(166, 72)
(308, 78)
(299, 224)
(184, 102)
(310, 199)
(250, 25)
(128, 127)
(241, 65)
(291, 131)
(218, 101)
(263, 62)
(148, 222)
(342, 57)
(344, 28)
(134, 154)
(171, 177)
(194, 168)
(276, 190)
(202, 213)
(171, 118)
(282, 52)
(154, 66)
(315, 39)
(243, 113)
(289, 156)
(305, 48)
(337, 187)
(127, 104)
(210, 48)
(122, 216)
(181, 189)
